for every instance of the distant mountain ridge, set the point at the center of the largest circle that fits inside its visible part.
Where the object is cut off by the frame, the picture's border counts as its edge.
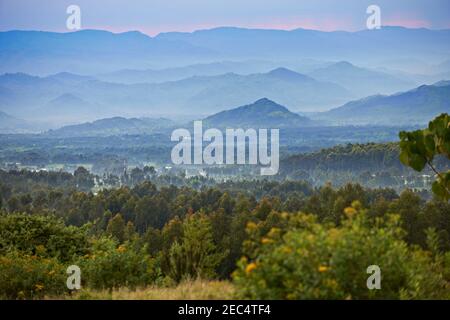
(359, 46)
(133, 76)
(43, 53)
(417, 106)
(361, 82)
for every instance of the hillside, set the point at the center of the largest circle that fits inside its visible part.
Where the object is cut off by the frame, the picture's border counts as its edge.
(68, 108)
(263, 113)
(113, 126)
(9, 124)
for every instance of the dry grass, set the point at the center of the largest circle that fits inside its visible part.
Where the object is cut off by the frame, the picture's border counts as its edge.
(189, 290)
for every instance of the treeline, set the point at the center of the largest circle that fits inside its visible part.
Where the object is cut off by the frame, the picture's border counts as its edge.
(371, 165)
(147, 205)
(41, 149)
(17, 182)
(352, 157)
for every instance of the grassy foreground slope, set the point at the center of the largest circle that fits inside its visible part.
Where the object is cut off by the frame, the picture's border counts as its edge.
(188, 290)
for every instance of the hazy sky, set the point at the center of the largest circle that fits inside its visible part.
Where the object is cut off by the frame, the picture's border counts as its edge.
(154, 16)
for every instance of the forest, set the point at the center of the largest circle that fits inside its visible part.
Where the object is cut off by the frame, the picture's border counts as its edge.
(264, 239)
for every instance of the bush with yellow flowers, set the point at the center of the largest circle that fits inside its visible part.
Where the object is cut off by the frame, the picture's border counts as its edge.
(30, 233)
(35, 251)
(309, 260)
(24, 276)
(110, 265)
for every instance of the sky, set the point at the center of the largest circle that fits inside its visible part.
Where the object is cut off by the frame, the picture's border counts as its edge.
(155, 16)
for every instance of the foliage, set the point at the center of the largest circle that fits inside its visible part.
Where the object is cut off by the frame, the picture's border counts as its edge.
(196, 256)
(45, 236)
(25, 276)
(116, 228)
(153, 235)
(420, 147)
(109, 265)
(309, 260)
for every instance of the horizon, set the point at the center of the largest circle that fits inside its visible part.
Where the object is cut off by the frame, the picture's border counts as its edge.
(181, 16)
(217, 28)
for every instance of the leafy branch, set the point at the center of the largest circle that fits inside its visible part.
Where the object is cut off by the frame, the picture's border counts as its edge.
(420, 147)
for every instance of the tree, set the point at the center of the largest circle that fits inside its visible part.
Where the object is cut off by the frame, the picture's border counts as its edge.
(13, 204)
(129, 232)
(420, 147)
(196, 256)
(83, 178)
(116, 227)
(409, 207)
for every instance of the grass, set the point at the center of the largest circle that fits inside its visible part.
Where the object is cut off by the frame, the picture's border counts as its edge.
(188, 290)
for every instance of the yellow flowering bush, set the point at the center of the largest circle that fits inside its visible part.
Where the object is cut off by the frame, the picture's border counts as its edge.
(45, 236)
(309, 260)
(111, 266)
(24, 276)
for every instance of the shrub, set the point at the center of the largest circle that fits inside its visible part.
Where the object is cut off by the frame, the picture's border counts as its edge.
(110, 265)
(309, 260)
(46, 236)
(25, 276)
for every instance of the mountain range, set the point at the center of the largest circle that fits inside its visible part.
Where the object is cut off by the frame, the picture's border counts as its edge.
(413, 107)
(56, 79)
(43, 53)
(67, 97)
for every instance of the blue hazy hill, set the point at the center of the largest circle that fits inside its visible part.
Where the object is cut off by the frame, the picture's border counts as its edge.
(263, 113)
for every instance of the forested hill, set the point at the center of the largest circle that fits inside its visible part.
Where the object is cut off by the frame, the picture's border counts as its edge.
(350, 157)
(260, 114)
